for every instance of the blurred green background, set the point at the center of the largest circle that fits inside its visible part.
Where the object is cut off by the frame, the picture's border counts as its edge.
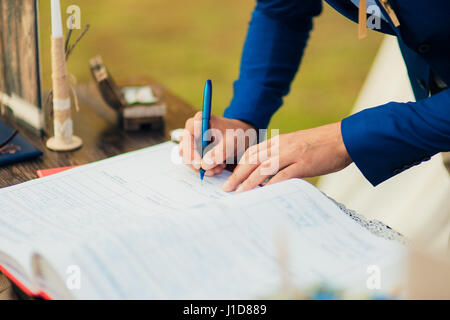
(181, 44)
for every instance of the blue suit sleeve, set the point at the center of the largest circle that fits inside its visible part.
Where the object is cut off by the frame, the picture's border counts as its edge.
(386, 140)
(277, 36)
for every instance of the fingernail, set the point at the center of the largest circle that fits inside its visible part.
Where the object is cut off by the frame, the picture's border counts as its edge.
(209, 173)
(239, 189)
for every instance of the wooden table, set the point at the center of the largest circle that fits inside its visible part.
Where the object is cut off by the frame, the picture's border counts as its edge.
(96, 124)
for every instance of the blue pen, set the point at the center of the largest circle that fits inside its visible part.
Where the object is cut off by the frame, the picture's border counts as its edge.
(206, 115)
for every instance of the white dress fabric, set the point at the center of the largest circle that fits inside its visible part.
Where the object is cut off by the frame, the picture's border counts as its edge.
(415, 203)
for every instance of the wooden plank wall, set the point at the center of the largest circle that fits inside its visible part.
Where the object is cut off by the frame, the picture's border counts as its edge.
(19, 53)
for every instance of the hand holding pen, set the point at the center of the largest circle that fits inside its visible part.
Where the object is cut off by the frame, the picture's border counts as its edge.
(195, 139)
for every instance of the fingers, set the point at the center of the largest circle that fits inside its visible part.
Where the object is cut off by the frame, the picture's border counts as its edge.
(261, 173)
(249, 162)
(215, 171)
(220, 168)
(217, 152)
(292, 171)
(188, 150)
(214, 157)
(246, 165)
(194, 125)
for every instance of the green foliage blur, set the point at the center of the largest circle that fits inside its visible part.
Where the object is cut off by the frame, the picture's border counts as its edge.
(182, 43)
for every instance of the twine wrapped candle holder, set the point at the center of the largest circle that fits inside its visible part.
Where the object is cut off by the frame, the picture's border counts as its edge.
(63, 139)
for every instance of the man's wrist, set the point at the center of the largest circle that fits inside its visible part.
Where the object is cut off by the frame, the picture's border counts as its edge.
(342, 149)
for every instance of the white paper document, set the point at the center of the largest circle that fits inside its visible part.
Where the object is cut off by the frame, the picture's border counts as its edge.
(140, 226)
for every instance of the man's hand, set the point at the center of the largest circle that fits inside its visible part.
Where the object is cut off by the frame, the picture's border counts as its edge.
(301, 154)
(225, 135)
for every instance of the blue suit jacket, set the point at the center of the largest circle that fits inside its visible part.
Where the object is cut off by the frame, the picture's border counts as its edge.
(382, 141)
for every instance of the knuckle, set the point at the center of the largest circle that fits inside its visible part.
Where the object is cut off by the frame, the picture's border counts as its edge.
(198, 115)
(253, 159)
(247, 155)
(186, 140)
(302, 147)
(252, 155)
(244, 158)
(188, 123)
(253, 149)
(266, 164)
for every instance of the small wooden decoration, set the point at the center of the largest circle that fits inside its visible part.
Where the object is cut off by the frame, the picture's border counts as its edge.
(135, 106)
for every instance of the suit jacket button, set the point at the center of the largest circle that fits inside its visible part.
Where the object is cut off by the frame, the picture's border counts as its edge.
(424, 48)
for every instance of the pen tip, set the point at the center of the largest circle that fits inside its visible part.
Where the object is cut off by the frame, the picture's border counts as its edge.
(202, 174)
